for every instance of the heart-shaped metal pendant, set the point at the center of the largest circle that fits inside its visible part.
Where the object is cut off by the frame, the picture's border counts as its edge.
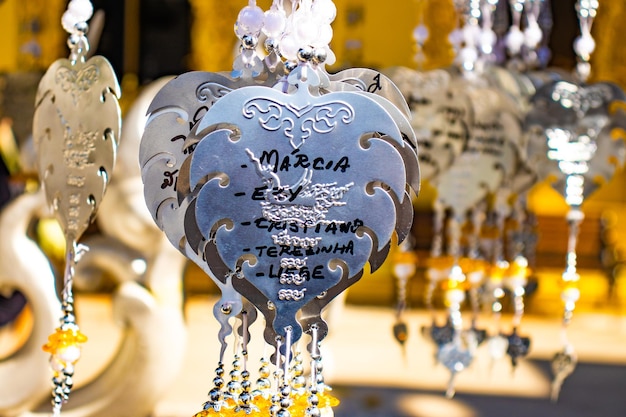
(295, 190)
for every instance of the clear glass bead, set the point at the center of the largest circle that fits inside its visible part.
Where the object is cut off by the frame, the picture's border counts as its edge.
(306, 30)
(456, 38)
(324, 36)
(275, 22)
(250, 20)
(289, 47)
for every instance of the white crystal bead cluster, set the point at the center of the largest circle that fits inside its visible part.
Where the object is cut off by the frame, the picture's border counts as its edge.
(309, 26)
(304, 34)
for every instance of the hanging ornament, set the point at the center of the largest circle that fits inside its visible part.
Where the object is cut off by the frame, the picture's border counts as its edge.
(457, 354)
(578, 123)
(510, 271)
(510, 276)
(296, 238)
(506, 274)
(584, 45)
(76, 129)
(262, 178)
(284, 173)
(514, 39)
(439, 115)
(532, 33)
(273, 28)
(487, 37)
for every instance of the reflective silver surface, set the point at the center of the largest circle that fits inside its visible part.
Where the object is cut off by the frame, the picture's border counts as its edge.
(576, 123)
(303, 197)
(76, 130)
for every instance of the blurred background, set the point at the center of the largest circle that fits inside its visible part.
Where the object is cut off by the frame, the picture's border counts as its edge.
(371, 373)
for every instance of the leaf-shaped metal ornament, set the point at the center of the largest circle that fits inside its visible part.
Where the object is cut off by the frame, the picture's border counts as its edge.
(579, 124)
(76, 130)
(291, 194)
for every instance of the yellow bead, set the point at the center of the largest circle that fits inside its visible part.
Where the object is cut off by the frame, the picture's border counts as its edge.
(519, 268)
(63, 339)
(327, 400)
(261, 402)
(497, 271)
(298, 410)
(299, 406)
(301, 403)
(229, 404)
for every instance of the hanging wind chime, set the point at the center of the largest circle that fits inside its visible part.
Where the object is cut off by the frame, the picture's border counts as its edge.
(577, 121)
(278, 180)
(76, 131)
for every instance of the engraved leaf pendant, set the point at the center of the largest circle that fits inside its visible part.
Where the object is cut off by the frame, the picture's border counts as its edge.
(76, 130)
(296, 191)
